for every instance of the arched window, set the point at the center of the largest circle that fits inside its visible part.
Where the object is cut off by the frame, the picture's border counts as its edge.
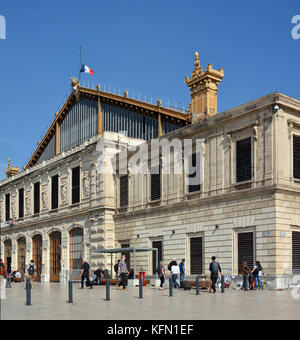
(76, 248)
(21, 255)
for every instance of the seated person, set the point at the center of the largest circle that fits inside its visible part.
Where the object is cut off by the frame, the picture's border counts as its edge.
(131, 275)
(99, 275)
(18, 275)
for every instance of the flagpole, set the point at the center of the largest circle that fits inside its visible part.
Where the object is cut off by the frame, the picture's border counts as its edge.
(80, 63)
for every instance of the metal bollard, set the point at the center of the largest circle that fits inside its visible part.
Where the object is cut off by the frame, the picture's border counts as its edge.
(70, 285)
(222, 284)
(170, 287)
(141, 288)
(197, 286)
(28, 293)
(107, 290)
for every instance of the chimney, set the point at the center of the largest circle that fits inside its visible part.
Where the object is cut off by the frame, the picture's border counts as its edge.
(204, 90)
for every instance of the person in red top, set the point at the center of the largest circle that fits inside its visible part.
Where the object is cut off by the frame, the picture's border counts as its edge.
(2, 269)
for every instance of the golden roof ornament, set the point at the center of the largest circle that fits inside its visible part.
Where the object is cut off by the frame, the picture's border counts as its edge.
(11, 170)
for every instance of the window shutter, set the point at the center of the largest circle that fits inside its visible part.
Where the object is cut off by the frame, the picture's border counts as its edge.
(124, 191)
(155, 184)
(245, 249)
(296, 152)
(243, 160)
(54, 194)
(21, 203)
(195, 187)
(7, 207)
(36, 198)
(296, 250)
(76, 185)
(158, 245)
(196, 255)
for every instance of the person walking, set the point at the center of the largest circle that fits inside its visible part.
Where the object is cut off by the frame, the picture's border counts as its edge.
(31, 271)
(182, 271)
(85, 274)
(216, 271)
(162, 275)
(116, 269)
(257, 273)
(245, 271)
(122, 273)
(175, 271)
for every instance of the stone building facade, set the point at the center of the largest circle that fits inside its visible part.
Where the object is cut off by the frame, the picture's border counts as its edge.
(63, 206)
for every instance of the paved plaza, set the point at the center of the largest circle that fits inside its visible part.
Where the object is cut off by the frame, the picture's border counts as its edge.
(49, 302)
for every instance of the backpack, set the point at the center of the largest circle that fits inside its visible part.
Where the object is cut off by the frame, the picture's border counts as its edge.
(31, 269)
(158, 271)
(215, 267)
(116, 267)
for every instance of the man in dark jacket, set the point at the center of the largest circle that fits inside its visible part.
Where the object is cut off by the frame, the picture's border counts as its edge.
(85, 274)
(215, 270)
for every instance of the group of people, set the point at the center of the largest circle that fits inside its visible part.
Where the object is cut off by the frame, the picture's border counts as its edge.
(251, 277)
(13, 275)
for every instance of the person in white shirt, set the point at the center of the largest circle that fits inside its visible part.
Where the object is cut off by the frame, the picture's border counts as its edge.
(175, 271)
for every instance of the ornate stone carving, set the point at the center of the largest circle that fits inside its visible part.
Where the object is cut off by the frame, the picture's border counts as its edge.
(28, 205)
(86, 183)
(13, 208)
(44, 199)
(64, 193)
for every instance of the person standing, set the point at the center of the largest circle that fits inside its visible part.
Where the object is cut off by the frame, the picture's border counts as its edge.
(2, 269)
(216, 271)
(85, 274)
(175, 271)
(162, 275)
(257, 272)
(31, 271)
(182, 271)
(245, 271)
(122, 273)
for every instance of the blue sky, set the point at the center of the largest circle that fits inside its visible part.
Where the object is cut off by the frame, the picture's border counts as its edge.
(144, 46)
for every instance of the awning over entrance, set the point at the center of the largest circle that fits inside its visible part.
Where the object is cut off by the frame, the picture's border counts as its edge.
(133, 250)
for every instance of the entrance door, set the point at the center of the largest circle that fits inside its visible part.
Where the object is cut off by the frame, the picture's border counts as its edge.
(196, 244)
(296, 250)
(158, 245)
(55, 256)
(7, 255)
(245, 249)
(37, 255)
(21, 255)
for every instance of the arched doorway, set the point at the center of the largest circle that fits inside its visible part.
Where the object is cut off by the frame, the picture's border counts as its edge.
(37, 242)
(21, 255)
(55, 256)
(7, 255)
(76, 252)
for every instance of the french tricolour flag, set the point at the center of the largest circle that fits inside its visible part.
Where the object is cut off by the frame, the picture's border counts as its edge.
(86, 69)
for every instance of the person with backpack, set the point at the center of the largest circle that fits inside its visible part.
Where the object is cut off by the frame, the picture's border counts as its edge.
(162, 275)
(215, 270)
(182, 271)
(123, 272)
(257, 273)
(31, 270)
(116, 269)
(85, 274)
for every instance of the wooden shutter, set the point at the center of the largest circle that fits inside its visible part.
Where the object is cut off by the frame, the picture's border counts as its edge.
(123, 191)
(296, 250)
(296, 152)
(243, 160)
(195, 187)
(54, 192)
(36, 197)
(155, 184)
(21, 203)
(7, 207)
(75, 185)
(245, 249)
(158, 245)
(196, 255)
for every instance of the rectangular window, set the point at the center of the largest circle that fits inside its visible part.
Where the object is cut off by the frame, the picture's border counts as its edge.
(123, 191)
(245, 249)
(158, 245)
(36, 198)
(243, 160)
(21, 203)
(296, 152)
(76, 185)
(296, 250)
(7, 207)
(54, 192)
(194, 178)
(155, 183)
(196, 255)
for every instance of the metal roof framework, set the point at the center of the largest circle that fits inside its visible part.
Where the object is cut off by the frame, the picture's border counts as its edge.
(133, 250)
